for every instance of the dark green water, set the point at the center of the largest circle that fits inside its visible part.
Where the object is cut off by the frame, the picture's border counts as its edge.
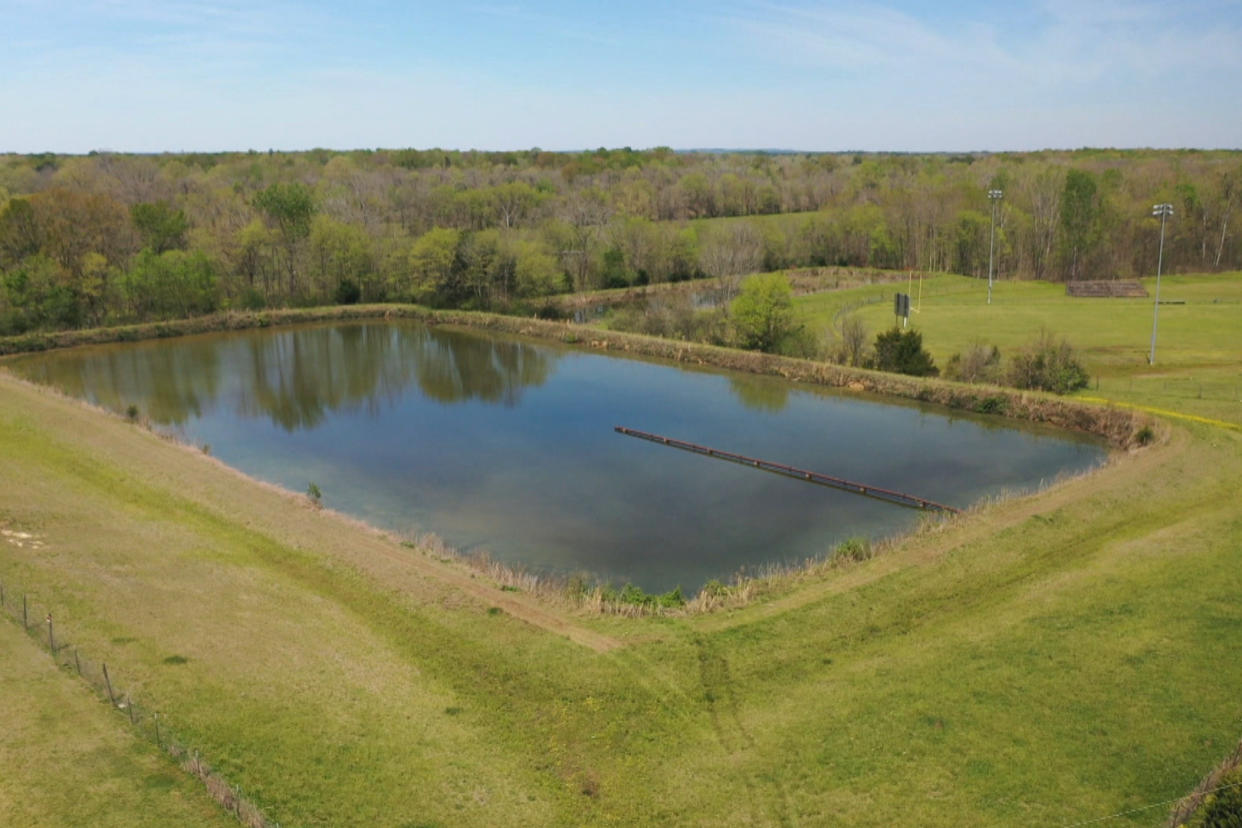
(496, 443)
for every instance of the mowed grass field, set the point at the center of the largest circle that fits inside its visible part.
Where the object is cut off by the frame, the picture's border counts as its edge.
(1047, 660)
(67, 761)
(1198, 349)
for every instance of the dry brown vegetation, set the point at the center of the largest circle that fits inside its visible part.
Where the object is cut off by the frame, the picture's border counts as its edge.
(1227, 774)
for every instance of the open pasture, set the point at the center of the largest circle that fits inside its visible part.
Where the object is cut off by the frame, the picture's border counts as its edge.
(1198, 366)
(1049, 659)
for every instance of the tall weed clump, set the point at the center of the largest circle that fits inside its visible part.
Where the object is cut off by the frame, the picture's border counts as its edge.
(1048, 364)
(977, 364)
(1216, 802)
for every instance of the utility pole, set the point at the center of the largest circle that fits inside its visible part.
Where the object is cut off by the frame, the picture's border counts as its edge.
(1163, 211)
(993, 196)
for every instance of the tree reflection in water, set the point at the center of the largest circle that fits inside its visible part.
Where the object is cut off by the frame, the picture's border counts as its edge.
(437, 429)
(170, 383)
(298, 377)
(760, 393)
(295, 377)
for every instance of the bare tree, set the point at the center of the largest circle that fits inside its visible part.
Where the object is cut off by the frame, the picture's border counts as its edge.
(852, 336)
(1044, 195)
(1228, 193)
(585, 212)
(730, 252)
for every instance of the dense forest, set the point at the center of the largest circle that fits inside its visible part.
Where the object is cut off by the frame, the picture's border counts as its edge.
(109, 238)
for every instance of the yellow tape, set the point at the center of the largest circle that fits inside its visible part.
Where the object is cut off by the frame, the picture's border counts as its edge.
(1164, 412)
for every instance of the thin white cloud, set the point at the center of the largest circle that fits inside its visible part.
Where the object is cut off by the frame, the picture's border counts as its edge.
(1081, 42)
(863, 39)
(1082, 13)
(805, 75)
(557, 26)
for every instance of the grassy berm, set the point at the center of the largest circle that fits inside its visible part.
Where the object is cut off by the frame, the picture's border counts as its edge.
(66, 762)
(1047, 660)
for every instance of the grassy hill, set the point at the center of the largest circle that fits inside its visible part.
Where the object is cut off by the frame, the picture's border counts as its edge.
(1198, 351)
(66, 761)
(1046, 660)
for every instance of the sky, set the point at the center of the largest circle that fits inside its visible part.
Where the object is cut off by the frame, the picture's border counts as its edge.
(185, 75)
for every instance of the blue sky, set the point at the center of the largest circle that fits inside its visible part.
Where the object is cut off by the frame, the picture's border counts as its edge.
(142, 75)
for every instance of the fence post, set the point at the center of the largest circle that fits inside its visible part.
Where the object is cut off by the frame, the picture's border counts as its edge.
(129, 704)
(77, 663)
(1, 593)
(157, 729)
(51, 639)
(25, 619)
(108, 682)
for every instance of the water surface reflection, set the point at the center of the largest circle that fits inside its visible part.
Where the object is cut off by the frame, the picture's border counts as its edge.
(499, 443)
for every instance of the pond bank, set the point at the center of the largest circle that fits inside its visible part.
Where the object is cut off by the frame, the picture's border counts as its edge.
(1122, 428)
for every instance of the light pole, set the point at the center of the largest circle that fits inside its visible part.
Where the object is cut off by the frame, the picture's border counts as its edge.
(993, 196)
(1163, 211)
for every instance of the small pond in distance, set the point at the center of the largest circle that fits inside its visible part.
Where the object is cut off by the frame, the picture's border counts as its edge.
(503, 444)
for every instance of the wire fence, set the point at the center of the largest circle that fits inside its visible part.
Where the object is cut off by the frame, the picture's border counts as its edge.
(36, 618)
(1223, 389)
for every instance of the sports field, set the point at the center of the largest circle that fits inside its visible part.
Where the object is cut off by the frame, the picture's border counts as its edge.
(1198, 350)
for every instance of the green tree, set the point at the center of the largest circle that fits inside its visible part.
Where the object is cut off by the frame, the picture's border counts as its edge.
(290, 207)
(160, 226)
(256, 262)
(763, 315)
(971, 242)
(867, 239)
(431, 262)
(683, 255)
(1079, 212)
(482, 265)
(171, 284)
(901, 352)
(513, 201)
(535, 270)
(67, 224)
(19, 231)
(340, 253)
(614, 271)
(95, 287)
(697, 195)
(39, 295)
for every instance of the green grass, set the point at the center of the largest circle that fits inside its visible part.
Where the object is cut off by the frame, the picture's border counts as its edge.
(1198, 351)
(1046, 660)
(67, 760)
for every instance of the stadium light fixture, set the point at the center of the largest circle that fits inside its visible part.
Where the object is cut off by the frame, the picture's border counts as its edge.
(993, 196)
(1162, 211)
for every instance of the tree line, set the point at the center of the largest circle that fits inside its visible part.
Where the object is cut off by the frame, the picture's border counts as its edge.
(108, 238)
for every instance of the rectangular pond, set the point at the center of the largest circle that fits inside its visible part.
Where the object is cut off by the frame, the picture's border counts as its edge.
(506, 445)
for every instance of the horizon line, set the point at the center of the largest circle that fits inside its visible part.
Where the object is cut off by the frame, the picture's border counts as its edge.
(585, 150)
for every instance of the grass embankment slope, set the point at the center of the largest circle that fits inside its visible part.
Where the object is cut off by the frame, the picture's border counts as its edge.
(1198, 366)
(1048, 660)
(65, 761)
